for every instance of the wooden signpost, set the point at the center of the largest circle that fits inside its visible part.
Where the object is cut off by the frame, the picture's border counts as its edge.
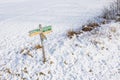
(42, 31)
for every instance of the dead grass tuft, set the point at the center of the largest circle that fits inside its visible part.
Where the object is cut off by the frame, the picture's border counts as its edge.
(90, 26)
(37, 46)
(8, 71)
(90, 70)
(26, 52)
(71, 33)
(51, 62)
(49, 72)
(41, 73)
(22, 50)
(65, 63)
(93, 25)
(85, 28)
(25, 70)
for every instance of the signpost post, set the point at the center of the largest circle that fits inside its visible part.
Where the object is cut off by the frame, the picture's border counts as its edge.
(44, 58)
(42, 31)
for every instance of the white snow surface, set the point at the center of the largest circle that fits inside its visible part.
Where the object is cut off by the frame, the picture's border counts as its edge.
(93, 55)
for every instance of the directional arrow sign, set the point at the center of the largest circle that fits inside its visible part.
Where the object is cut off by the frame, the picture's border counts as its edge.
(45, 30)
(35, 30)
(34, 34)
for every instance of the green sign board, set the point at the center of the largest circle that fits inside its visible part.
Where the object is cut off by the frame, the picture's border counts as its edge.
(44, 29)
(47, 28)
(35, 30)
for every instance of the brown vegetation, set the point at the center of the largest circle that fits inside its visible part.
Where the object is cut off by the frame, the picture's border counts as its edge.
(90, 26)
(71, 33)
(37, 46)
(85, 28)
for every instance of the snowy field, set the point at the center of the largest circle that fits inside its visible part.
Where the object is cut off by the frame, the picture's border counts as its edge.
(92, 55)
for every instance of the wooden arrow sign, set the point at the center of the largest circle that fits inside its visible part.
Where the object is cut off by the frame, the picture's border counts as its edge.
(45, 30)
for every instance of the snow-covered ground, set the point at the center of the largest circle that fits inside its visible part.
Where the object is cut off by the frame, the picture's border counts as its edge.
(67, 13)
(93, 55)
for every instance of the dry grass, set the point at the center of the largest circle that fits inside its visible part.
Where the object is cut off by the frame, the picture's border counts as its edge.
(22, 50)
(8, 71)
(90, 70)
(41, 73)
(25, 70)
(85, 28)
(37, 46)
(93, 25)
(26, 52)
(65, 63)
(51, 62)
(90, 26)
(71, 33)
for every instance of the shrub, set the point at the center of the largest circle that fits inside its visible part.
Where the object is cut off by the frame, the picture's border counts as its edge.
(112, 11)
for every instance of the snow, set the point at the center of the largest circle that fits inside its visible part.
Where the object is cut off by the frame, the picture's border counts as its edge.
(58, 12)
(91, 56)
